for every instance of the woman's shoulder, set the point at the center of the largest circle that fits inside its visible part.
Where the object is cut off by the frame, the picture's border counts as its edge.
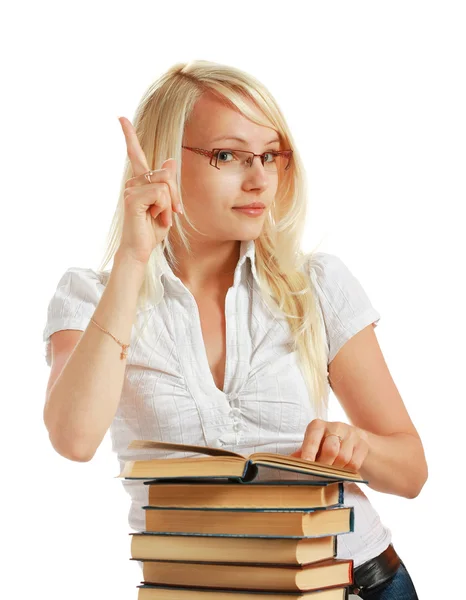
(77, 292)
(73, 301)
(327, 270)
(322, 263)
(345, 304)
(333, 277)
(83, 277)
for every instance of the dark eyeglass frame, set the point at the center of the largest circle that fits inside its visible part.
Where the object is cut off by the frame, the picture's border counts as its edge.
(214, 157)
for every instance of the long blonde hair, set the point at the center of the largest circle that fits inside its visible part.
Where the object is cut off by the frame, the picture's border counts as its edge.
(160, 122)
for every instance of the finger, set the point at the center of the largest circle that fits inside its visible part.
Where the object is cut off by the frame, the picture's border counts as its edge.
(170, 165)
(155, 197)
(163, 207)
(338, 454)
(312, 440)
(359, 455)
(166, 174)
(133, 147)
(297, 454)
(166, 215)
(328, 451)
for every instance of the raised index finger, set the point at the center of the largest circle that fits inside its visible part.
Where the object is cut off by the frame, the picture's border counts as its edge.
(135, 152)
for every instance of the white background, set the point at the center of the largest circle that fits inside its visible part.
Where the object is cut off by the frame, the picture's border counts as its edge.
(375, 96)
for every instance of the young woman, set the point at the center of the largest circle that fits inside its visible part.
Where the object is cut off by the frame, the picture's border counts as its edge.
(237, 333)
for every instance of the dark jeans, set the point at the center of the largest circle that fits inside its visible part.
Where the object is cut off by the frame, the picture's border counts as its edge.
(399, 587)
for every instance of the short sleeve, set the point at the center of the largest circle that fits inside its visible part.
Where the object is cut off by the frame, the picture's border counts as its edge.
(346, 307)
(73, 303)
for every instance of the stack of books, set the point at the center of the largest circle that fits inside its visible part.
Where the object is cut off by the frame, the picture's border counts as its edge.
(214, 530)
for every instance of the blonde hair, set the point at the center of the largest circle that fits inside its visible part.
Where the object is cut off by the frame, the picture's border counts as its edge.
(160, 121)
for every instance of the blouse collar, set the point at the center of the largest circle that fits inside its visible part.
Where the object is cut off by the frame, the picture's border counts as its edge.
(247, 250)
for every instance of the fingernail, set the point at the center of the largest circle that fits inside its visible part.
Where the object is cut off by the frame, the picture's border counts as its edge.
(179, 208)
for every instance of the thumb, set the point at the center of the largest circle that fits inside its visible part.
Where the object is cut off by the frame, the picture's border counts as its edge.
(169, 163)
(172, 168)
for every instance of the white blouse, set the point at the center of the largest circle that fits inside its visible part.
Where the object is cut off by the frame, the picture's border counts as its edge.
(169, 393)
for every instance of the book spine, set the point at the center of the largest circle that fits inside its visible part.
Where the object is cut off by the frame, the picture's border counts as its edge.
(250, 472)
(352, 519)
(341, 492)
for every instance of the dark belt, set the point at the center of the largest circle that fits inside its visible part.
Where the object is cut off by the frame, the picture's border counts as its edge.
(376, 571)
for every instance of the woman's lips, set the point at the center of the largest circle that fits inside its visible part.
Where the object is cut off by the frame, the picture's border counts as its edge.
(252, 212)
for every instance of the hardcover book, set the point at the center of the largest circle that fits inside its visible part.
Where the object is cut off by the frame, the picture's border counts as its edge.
(226, 464)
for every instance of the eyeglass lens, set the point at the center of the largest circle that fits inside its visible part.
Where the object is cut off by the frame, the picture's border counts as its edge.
(239, 160)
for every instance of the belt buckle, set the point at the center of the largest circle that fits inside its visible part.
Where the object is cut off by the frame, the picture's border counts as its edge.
(355, 589)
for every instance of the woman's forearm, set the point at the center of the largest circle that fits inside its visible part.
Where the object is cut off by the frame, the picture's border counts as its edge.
(395, 464)
(82, 402)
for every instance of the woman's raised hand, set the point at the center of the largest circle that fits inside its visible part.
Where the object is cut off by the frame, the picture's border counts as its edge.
(148, 206)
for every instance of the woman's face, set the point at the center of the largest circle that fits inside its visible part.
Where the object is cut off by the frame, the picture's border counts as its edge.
(209, 194)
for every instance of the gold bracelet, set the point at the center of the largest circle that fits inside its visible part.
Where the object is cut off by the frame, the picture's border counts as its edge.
(125, 347)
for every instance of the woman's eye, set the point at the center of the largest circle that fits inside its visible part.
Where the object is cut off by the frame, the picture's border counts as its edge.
(271, 156)
(221, 154)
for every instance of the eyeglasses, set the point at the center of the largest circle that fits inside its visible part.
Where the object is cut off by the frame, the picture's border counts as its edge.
(236, 161)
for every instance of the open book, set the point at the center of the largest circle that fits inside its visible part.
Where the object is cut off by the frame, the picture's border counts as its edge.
(223, 463)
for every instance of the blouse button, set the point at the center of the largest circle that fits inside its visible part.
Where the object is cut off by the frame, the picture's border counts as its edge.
(235, 412)
(237, 427)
